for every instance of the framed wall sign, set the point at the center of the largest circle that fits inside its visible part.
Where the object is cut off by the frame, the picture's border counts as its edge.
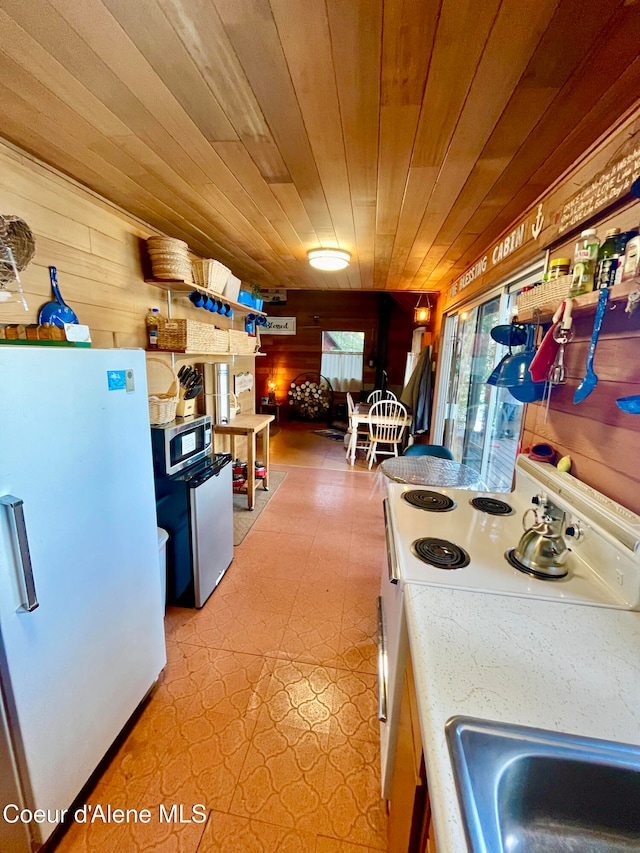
(280, 326)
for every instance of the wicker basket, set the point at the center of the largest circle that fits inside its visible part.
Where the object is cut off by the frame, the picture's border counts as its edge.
(16, 234)
(241, 343)
(220, 340)
(210, 275)
(163, 391)
(186, 336)
(169, 258)
(545, 296)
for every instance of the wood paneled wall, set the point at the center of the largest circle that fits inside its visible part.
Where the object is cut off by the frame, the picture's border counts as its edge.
(603, 442)
(98, 251)
(318, 311)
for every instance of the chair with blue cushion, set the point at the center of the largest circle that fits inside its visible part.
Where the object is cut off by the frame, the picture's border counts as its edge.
(429, 450)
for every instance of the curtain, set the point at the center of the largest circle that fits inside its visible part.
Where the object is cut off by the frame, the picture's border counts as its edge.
(343, 370)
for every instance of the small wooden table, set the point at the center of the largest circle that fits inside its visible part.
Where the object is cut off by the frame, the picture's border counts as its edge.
(249, 426)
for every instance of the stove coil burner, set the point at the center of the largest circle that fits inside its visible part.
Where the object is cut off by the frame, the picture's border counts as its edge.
(440, 553)
(515, 562)
(431, 501)
(492, 506)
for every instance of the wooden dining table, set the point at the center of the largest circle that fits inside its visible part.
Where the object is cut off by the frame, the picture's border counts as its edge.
(360, 415)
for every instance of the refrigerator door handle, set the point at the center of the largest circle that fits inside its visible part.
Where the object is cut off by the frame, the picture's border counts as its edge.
(16, 506)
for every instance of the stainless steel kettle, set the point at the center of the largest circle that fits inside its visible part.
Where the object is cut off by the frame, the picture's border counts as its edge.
(542, 548)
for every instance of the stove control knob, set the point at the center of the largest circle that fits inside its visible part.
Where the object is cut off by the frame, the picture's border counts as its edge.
(574, 531)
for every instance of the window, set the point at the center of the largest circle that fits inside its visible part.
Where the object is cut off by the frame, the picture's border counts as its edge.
(343, 359)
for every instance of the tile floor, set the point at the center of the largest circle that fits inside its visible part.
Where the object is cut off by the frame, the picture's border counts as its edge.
(266, 711)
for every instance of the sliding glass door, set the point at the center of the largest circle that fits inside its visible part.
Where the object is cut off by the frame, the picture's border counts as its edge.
(481, 422)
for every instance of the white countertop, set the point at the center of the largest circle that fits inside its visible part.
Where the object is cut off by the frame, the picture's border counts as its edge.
(566, 668)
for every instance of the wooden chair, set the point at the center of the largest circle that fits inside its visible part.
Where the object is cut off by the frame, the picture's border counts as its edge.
(377, 395)
(361, 437)
(387, 422)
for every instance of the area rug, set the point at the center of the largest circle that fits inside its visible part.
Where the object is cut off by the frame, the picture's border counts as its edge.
(243, 520)
(333, 434)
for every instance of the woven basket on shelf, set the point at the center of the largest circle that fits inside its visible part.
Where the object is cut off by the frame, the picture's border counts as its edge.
(210, 275)
(169, 258)
(163, 391)
(220, 340)
(16, 234)
(545, 296)
(190, 336)
(241, 343)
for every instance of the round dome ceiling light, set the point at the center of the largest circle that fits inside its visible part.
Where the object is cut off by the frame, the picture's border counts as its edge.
(329, 259)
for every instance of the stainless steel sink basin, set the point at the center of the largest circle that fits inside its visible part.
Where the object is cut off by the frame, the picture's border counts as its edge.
(524, 790)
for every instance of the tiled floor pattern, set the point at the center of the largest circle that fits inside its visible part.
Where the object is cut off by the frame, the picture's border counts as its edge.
(266, 711)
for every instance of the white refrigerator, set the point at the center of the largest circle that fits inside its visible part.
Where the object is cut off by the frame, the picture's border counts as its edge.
(81, 627)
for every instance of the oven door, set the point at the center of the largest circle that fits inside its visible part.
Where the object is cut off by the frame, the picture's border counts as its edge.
(392, 655)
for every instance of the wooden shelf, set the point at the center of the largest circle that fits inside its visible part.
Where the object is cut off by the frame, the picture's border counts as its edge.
(545, 312)
(188, 287)
(190, 352)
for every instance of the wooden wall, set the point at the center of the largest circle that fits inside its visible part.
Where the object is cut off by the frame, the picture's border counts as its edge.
(98, 251)
(603, 442)
(318, 311)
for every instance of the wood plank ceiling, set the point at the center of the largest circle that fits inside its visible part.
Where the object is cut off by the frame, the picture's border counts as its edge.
(410, 132)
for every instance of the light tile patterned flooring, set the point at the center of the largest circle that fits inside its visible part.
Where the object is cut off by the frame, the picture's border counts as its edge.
(266, 711)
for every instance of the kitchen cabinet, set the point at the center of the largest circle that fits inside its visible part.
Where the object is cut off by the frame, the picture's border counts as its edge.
(410, 828)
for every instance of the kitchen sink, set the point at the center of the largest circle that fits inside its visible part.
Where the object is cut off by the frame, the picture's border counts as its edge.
(525, 790)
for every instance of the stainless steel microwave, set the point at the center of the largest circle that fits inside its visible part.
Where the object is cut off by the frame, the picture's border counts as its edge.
(176, 446)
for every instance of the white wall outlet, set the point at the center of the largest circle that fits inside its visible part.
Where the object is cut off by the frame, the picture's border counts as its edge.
(620, 576)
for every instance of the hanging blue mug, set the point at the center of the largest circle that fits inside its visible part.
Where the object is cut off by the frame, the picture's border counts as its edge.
(209, 304)
(197, 298)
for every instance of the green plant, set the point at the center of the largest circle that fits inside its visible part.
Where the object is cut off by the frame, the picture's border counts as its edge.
(255, 289)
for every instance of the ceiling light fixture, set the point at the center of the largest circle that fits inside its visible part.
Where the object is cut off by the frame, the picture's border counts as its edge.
(422, 313)
(329, 259)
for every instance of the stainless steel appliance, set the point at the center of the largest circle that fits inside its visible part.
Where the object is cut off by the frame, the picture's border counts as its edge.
(217, 388)
(81, 630)
(461, 539)
(195, 506)
(178, 445)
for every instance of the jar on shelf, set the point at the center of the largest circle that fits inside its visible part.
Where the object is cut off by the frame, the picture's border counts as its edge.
(559, 267)
(584, 263)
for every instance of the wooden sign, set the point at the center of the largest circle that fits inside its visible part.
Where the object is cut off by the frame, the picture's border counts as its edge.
(280, 326)
(242, 382)
(275, 296)
(610, 184)
(526, 231)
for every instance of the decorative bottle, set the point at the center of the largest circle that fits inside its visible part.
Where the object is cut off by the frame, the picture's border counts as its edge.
(608, 259)
(584, 263)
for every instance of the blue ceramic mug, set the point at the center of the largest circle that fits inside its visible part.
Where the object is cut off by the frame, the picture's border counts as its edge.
(197, 298)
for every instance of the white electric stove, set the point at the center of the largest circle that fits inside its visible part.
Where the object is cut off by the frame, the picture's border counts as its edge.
(472, 534)
(475, 530)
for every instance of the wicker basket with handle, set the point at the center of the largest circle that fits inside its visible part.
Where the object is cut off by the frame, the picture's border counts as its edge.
(162, 385)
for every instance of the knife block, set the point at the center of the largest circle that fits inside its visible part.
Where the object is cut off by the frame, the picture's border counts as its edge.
(186, 408)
